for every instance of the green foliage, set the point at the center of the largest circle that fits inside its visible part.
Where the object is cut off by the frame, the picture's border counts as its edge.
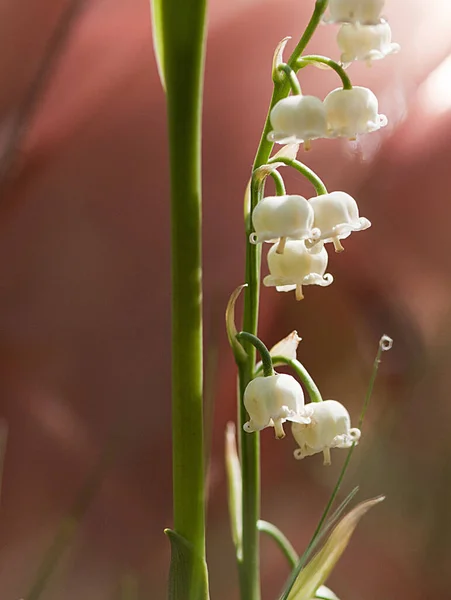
(157, 37)
(320, 567)
(188, 572)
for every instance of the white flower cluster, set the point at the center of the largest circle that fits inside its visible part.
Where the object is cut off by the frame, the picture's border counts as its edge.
(298, 229)
(317, 426)
(363, 36)
(344, 113)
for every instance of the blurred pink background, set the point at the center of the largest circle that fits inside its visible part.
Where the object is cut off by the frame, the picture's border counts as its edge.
(85, 297)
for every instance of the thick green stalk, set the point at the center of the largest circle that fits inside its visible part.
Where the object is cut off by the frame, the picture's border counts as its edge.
(183, 23)
(250, 442)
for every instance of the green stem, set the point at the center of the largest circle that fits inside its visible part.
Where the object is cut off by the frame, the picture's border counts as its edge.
(267, 368)
(385, 343)
(304, 170)
(292, 79)
(316, 58)
(250, 442)
(279, 183)
(281, 540)
(184, 35)
(249, 566)
(303, 375)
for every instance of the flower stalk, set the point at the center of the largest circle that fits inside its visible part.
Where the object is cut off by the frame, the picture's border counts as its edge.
(249, 569)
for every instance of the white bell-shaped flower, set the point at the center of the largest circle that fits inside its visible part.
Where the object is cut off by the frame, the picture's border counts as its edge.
(365, 42)
(270, 401)
(298, 119)
(329, 427)
(367, 12)
(296, 267)
(282, 217)
(352, 112)
(337, 216)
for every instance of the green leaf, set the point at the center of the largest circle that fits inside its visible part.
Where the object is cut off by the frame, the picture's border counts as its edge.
(324, 593)
(321, 566)
(235, 488)
(188, 571)
(237, 349)
(157, 37)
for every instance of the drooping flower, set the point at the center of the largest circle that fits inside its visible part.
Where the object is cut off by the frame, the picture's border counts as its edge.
(270, 401)
(367, 12)
(365, 42)
(282, 217)
(337, 216)
(296, 267)
(329, 427)
(298, 119)
(352, 112)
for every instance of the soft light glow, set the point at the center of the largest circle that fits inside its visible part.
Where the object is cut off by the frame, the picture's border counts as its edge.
(434, 95)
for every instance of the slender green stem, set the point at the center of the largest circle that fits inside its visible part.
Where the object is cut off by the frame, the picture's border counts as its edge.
(249, 566)
(337, 487)
(316, 58)
(305, 171)
(184, 35)
(385, 343)
(250, 443)
(281, 540)
(303, 375)
(279, 183)
(292, 79)
(267, 367)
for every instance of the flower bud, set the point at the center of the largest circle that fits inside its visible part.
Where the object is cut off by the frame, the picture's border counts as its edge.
(352, 112)
(282, 217)
(367, 12)
(296, 267)
(298, 119)
(329, 427)
(365, 42)
(337, 216)
(270, 401)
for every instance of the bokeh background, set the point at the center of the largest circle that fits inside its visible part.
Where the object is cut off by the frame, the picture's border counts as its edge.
(85, 297)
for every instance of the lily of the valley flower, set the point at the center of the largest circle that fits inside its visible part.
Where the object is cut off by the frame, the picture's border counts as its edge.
(329, 427)
(270, 401)
(296, 267)
(367, 12)
(282, 217)
(365, 42)
(298, 119)
(352, 112)
(337, 216)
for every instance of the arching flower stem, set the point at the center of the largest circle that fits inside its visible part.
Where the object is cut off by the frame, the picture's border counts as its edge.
(302, 374)
(316, 58)
(279, 183)
(267, 366)
(305, 171)
(292, 79)
(281, 540)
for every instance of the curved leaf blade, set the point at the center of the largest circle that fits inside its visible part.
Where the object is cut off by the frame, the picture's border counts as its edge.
(321, 566)
(157, 37)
